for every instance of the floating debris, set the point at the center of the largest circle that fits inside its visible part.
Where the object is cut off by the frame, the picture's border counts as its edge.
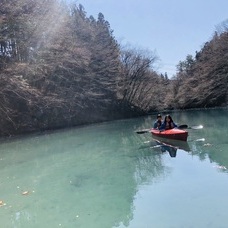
(25, 193)
(220, 167)
(207, 144)
(2, 203)
(157, 146)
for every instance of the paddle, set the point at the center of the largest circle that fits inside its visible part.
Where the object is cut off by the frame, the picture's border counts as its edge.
(183, 126)
(143, 131)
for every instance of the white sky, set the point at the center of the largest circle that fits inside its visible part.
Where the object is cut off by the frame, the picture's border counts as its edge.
(171, 28)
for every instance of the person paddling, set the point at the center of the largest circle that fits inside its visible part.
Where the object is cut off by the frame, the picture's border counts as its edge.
(167, 123)
(158, 122)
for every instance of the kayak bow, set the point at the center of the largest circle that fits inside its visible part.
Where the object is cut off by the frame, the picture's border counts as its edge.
(174, 133)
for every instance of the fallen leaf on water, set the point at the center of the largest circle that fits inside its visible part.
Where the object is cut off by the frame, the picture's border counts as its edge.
(2, 203)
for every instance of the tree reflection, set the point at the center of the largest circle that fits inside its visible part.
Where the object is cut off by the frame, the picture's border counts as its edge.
(90, 176)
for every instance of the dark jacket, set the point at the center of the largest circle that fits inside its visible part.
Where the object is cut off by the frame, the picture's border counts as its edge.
(157, 124)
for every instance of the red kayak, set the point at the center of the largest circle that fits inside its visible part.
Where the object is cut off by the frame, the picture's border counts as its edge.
(174, 133)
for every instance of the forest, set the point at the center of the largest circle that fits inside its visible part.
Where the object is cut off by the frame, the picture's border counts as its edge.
(60, 68)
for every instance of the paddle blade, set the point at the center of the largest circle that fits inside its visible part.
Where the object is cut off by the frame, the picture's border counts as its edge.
(197, 127)
(143, 131)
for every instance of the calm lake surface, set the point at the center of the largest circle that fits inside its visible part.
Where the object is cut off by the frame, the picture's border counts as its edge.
(105, 175)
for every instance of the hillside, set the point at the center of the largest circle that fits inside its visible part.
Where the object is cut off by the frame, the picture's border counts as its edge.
(61, 68)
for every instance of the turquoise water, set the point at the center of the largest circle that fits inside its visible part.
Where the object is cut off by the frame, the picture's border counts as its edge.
(105, 175)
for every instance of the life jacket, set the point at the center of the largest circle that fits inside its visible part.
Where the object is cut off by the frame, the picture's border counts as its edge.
(169, 125)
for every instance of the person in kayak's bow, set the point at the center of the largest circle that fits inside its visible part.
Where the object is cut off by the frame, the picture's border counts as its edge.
(158, 122)
(167, 123)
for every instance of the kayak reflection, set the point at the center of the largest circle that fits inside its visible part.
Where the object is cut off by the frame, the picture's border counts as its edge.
(171, 146)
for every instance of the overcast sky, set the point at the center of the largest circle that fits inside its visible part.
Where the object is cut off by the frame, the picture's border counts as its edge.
(171, 28)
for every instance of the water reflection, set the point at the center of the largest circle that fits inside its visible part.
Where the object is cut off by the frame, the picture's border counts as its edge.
(80, 178)
(167, 145)
(91, 177)
(171, 146)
